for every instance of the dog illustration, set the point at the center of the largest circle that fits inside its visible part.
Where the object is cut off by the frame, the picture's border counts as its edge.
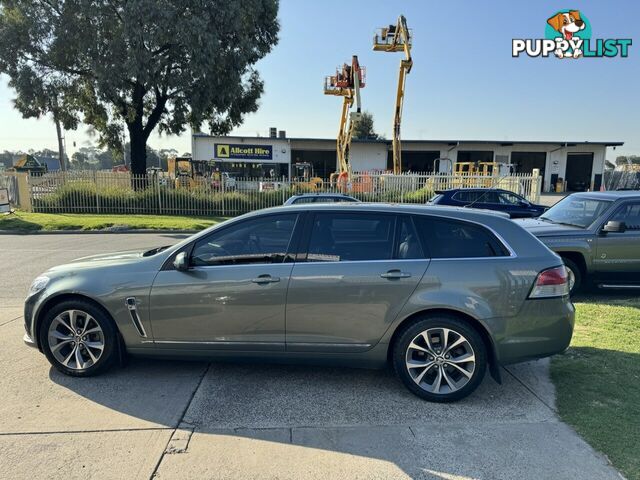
(567, 24)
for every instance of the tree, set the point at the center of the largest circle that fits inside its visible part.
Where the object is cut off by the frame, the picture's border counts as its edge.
(141, 64)
(363, 129)
(623, 160)
(79, 160)
(39, 95)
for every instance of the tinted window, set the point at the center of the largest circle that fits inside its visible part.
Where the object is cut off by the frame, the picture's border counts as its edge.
(408, 242)
(340, 237)
(489, 197)
(510, 198)
(445, 238)
(304, 200)
(630, 215)
(466, 196)
(260, 240)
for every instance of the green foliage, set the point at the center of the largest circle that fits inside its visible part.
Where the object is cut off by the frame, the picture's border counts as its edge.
(364, 129)
(31, 222)
(598, 378)
(138, 64)
(624, 160)
(81, 197)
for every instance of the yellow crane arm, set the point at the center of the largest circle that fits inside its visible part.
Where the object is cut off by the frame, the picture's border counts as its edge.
(346, 84)
(397, 39)
(344, 140)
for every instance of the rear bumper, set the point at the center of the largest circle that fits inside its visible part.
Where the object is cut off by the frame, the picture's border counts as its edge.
(543, 328)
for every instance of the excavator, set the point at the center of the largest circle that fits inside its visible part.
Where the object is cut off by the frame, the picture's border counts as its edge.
(397, 38)
(346, 83)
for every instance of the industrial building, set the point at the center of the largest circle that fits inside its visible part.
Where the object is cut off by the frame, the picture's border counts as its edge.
(578, 166)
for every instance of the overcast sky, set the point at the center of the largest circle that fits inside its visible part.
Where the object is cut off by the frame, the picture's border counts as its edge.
(464, 83)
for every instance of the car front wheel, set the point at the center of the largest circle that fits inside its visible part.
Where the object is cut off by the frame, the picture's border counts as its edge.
(440, 358)
(78, 339)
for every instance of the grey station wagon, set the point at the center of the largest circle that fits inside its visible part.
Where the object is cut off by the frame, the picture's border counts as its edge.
(440, 293)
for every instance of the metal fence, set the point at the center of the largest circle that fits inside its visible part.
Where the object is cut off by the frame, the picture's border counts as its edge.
(123, 193)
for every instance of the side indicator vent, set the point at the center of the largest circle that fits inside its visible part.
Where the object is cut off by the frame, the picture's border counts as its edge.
(132, 305)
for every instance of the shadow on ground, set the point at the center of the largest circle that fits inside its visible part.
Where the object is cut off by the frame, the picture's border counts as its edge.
(340, 423)
(15, 223)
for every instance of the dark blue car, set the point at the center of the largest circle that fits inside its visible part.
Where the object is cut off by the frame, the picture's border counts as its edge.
(489, 199)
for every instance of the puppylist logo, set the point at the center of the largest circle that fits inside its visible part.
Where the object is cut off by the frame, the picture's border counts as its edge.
(568, 35)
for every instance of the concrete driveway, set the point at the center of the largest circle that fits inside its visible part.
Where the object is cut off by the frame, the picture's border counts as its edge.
(210, 420)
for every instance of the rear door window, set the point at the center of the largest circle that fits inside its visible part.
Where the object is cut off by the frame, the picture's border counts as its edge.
(489, 197)
(466, 196)
(445, 238)
(339, 237)
(409, 246)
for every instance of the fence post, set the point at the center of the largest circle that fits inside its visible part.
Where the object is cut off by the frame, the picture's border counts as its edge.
(95, 181)
(24, 192)
(156, 178)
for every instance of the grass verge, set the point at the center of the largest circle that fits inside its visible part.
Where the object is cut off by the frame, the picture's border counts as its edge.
(598, 379)
(24, 222)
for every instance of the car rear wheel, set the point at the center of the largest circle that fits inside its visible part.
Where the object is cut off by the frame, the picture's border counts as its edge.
(575, 275)
(78, 339)
(440, 358)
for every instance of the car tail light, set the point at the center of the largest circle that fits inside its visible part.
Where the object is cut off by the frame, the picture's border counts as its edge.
(551, 283)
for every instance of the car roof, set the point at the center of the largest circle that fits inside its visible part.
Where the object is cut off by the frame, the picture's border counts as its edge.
(320, 194)
(441, 210)
(608, 195)
(472, 189)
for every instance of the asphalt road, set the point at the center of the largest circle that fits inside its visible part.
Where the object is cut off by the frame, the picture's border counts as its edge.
(208, 420)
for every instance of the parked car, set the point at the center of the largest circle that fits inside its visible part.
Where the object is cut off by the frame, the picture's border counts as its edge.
(319, 198)
(597, 234)
(442, 294)
(489, 199)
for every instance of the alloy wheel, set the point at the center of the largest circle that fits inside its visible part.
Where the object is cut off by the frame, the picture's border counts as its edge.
(76, 339)
(440, 360)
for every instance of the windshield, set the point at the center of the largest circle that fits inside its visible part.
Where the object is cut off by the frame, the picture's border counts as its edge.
(576, 211)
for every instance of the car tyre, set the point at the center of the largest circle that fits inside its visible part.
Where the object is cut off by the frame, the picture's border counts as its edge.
(451, 351)
(574, 271)
(79, 339)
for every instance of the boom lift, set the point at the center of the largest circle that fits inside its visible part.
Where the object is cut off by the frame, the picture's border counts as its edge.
(397, 38)
(346, 83)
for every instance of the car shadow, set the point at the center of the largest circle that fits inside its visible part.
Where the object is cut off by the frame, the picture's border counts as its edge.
(300, 410)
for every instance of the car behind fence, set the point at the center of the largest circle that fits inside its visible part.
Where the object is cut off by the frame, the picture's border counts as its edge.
(156, 193)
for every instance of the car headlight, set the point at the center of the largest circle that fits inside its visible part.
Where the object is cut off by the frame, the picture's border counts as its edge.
(38, 285)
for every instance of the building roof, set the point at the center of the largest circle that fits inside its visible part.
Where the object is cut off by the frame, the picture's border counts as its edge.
(562, 143)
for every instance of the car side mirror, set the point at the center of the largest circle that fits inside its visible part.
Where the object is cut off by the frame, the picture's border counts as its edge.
(614, 227)
(181, 262)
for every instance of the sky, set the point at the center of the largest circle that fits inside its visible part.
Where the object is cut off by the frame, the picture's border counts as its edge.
(464, 83)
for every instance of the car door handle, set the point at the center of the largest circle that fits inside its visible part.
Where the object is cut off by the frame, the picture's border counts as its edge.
(265, 279)
(391, 274)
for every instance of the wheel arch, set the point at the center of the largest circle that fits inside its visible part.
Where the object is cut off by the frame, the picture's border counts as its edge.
(471, 321)
(52, 301)
(577, 258)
